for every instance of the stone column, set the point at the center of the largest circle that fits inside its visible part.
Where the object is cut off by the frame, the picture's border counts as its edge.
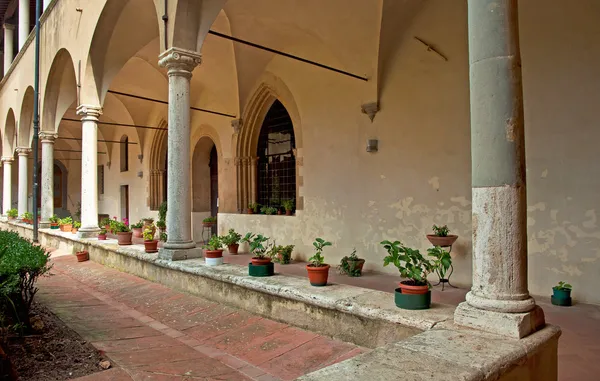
(7, 190)
(9, 52)
(499, 300)
(89, 170)
(47, 178)
(45, 4)
(23, 22)
(180, 64)
(253, 179)
(23, 153)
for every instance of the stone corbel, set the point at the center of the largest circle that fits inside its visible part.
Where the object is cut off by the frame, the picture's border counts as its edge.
(48, 137)
(89, 112)
(370, 109)
(237, 125)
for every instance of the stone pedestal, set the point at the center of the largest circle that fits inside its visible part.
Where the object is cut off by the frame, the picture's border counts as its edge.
(499, 300)
(47, 180)
(89, 170)
(7, 189)
(23, 153)
(180, 64)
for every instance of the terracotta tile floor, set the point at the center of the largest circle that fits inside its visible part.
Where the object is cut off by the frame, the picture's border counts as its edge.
(151, 332)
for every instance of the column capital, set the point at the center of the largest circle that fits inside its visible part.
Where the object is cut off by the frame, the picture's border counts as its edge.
(48, 137)
(179, 61)
(7, 159)
(89, 112)
(253, 160)
(23, 151)
(9, 26)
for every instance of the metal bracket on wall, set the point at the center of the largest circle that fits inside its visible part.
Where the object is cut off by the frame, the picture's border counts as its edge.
(431, 48)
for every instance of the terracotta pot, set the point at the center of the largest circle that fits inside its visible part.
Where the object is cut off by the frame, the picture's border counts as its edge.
(233, 249)
(53, 225)
(66, 228)
(357, 264)
(101, 237)
(250, 211)
(442, 241)
(413, 290)
(137, 232)
(260, 261)
(279, 212)
(288, 212)
(148, 222)
(213, 253)
(151, 246)
(74, 230)
(208, 224)
(318, 275)
(124, 238)
(83, 256)
(11, 218)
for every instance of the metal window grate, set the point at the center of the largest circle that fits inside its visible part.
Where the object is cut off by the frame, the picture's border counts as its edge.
(101, 179)
(276, 166)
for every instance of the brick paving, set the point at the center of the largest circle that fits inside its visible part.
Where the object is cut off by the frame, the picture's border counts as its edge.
(151, 332)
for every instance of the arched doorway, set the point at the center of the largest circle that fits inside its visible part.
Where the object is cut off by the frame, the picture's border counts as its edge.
(60, 189)
(205, 185)
(214, 184)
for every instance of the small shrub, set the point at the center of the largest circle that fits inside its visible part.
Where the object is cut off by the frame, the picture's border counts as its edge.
(66, 221)
(562, 286)
(231, 238)
(161, 224)
(210, 220)
(268, 210)
(282, 254)
(162, 211)
(54, 219)
(259, 246)
(27, 216)
(441, 231)
(348, 265)
(76, 224)
(105, 222)
(12, 213)
(288, 204)
(253, 206)
(163, 237)
(102, 232)
(138, 225)
(318, 260)
(214, 243)
(148, 234)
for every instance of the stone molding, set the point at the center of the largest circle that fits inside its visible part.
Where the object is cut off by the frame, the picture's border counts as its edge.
(179, 61)
(7, 159)
(89, 112)
(9, 26)
(23, 151)
(48, 137)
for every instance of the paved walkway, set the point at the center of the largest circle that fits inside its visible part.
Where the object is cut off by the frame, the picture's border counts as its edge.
(151, 332)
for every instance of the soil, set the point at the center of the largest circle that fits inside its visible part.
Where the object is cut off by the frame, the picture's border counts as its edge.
(57, 353)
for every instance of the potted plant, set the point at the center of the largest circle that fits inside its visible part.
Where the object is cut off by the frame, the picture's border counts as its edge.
(102, 235)
(318, 271)
(209, 221)
(162, 237)
(268, 210)
(252, 207)
(282, 254)
(162, 226)
(124, 233)
(260, 264)
(561, 294)
(105, 223)
(149, 224)
(441, 236)
(232, 241)
(442, 262)
(137, 229)
(83, 256)
(288, 205)
(66, 224)
(76, 226)
(414, 293)
(351, 265)
(54, 221)
(150, 244)
(162, 211)
(27, 218)
(213, 252)
(12, 213)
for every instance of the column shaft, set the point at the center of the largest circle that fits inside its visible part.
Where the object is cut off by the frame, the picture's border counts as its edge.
(23, 22)
(23, 180)
(47, 178)
(46, 3)
(89, 170)
(9, 52)
(7, 189)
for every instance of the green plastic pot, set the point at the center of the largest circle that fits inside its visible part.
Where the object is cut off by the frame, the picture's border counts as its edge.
(261, 270)
(561, 297)
(412, 301)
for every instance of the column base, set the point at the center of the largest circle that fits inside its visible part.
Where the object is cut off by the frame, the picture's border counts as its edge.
(44, 225)
(514, 325)
(179, 254)
(88, 232)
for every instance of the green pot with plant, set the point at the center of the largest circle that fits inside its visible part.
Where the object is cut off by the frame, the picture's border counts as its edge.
(209, 221)
(137, 229)
(76, 226)
(282, 254)
(561, 294)
(213, 251)
(259, 248)
(54, 221)
(102, 235)
(441, 236)
(351, 265)
(12, 213)
(66, 224)
(318, 270)
(124, 233)
(252, 207)
(150, 244)
(232, 241)
(288, 205)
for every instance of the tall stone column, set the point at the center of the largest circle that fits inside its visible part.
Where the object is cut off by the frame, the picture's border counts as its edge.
(23, 191)
(7, 190)
(9, 52)
(47, 178)
(180, 64)
(89, 170)
(499, 300)
(46, 3)
(23, 22)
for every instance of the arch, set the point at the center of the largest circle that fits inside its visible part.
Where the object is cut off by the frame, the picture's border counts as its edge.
(61, 90)
(157, 187)
(192, 21)
(60, 192)
(25, 133)
(124, 153)
(201, 175)
(9, 134)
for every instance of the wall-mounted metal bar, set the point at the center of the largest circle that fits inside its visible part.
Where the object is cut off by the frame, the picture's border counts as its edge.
(279, 52)
(74, 150)
(100, 141)
(166, 103)
(119, 124)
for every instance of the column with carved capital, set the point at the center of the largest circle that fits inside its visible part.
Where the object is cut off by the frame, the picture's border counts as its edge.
(7, 193)
(47, 180)
(23, 153)
(180, 63)
(89, 170)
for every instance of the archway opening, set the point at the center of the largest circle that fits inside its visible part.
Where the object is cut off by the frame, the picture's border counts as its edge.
(205, 186)
(60, 190)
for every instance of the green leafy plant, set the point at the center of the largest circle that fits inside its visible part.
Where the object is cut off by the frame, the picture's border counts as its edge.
(268, 210)
(348, 265)
(162, 211)
(12, 213)
(148, 234)
(441, 231)
(562, 286)
(76, 224)
(214, 243)
(442, 261)
(253, 206)
(259, 246)
(54, 219)
(288, 204)
(410, 262)
(78, 211)
(161, 224)
(318, 260)
(282, 254)
(163, 237)
(105, 222)
(210, 220)
(27, 216)
(120, 227)
(138, 225)
(231, 238)
(66, 221)
(102, 232)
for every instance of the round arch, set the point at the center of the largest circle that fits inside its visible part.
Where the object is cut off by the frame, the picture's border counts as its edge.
(25, 132)
(61, 90)
(157, 187)
(9, 134)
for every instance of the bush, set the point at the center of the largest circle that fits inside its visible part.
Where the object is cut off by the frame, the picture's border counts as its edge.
(21, 265)
(13, 213)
